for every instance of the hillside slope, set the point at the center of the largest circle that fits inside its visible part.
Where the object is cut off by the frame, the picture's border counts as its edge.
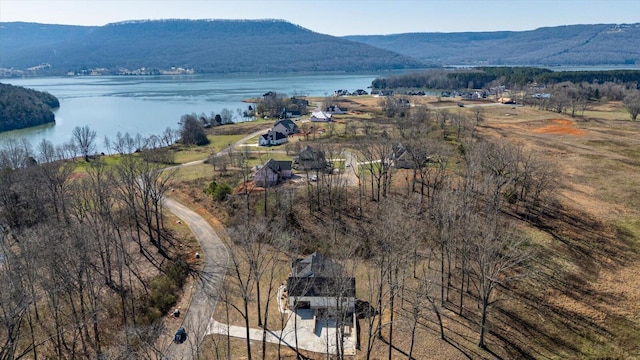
(602, 44)
(21, 107)
(206, 46)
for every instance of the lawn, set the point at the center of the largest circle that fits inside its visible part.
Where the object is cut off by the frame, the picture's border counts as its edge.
(217, 143)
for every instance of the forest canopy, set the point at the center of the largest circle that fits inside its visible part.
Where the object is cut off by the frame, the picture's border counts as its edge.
(481, 77)
(21, 107)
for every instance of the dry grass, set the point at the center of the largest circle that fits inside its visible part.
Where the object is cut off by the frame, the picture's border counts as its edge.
(587, 306)
(583, 300)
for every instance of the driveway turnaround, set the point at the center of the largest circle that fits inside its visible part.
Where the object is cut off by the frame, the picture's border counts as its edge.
(313, 334)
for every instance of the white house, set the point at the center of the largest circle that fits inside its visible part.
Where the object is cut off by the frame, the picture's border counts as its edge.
(272, 137)
(320, 116)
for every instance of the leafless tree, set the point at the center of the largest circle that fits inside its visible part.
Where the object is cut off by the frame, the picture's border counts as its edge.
(197, 331)
(420, 299)
(375, 279)
(169, 136)
(394, 106)
(242, 282)
(128, 172)
(434, 174)
(378, 164)
(478, 114)
(55, 174)
(279, 242)
(84, 138)
(124, 144)
(14, 301)
(147, 341)
(632, 103)
(497, 254)
(394, 231)
(16, 154)
(157, 183)
(444, 219)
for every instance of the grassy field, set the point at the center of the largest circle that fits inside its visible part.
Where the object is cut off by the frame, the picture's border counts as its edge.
(599, 256)
(584, 300)
(217, 143)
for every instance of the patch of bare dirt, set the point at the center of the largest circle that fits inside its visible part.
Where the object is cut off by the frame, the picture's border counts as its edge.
(249, 186)
(560, 127)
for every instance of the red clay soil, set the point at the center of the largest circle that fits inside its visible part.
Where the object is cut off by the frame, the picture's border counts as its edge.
(249, 186)
(560, 127)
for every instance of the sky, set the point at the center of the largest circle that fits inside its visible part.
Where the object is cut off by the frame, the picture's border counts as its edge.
(337, 17)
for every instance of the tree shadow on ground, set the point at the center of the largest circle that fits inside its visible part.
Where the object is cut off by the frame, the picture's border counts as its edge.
(559, 310)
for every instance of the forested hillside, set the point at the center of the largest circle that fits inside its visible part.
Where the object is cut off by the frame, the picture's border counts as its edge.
(485, 77)
(267, 46)
(21, 107)
(216, 46)
(602, 44)
(26, 37)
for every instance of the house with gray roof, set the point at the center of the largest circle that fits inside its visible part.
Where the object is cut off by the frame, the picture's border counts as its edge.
(320, 284)
(286, 127)
(272, 173)
(311, 159)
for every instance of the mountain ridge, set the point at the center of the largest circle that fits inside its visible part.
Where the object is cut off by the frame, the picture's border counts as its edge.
(206, 46)
(582, 44)
(177, 46)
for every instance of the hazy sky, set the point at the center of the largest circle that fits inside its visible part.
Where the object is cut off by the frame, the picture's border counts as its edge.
(337, 17)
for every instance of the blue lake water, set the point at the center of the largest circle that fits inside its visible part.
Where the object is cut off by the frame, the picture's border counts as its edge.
(148, 105)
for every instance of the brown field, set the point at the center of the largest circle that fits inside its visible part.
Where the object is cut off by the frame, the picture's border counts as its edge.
(598, 245)
(584, 301)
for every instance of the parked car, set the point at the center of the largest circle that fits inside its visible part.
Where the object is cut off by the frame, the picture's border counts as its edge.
(461, 104)
(314, 178)
(180, 336)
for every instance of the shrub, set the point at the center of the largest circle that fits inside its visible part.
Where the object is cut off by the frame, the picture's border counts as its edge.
(162, 295)
(221, 192)
(218, 191)
(178, 272)
(211, 188)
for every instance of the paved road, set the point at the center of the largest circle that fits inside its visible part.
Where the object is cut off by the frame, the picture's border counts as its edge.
(203, 302)
(214, 256)
(351, 171)
(243, 140)
(472, 105)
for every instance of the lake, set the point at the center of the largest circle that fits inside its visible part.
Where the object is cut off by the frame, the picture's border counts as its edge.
(149, 104)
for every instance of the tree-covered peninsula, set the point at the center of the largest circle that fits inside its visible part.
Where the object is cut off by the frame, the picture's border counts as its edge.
(21, 107)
